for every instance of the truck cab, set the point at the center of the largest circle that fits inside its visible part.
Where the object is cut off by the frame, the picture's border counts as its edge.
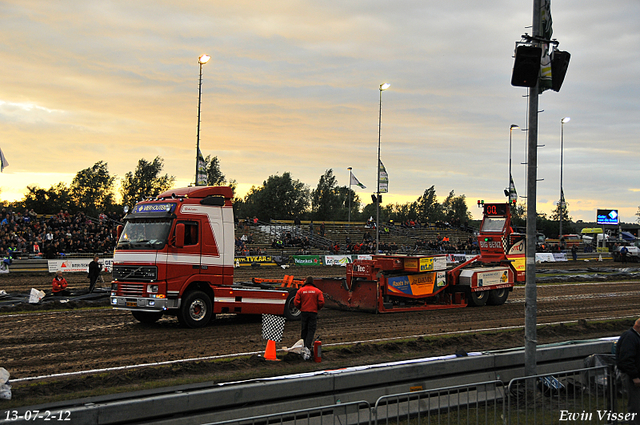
(175, 255)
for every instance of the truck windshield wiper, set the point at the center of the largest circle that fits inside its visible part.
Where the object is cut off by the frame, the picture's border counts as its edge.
(149, 243)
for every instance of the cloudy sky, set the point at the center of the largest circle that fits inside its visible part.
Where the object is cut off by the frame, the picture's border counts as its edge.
(293, 86)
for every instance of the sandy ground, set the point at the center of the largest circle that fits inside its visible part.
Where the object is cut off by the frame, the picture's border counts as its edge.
(70, 339)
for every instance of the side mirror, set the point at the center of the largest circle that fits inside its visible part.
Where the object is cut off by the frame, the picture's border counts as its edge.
(119, 229)
(179, 235)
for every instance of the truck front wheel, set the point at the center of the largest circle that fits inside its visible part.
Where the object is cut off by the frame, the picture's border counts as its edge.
(196, 310)
(147, 317)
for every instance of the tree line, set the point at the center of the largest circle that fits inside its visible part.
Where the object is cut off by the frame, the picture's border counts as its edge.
(280, 197)
(549, 225)
(285, 198)
(92, 190)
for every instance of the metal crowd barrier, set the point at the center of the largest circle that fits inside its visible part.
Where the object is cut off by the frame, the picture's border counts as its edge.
(358, 412)
(590, 395)
(584, 396)
(480, 403)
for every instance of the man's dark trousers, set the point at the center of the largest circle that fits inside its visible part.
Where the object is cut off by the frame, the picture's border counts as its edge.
(309, 323)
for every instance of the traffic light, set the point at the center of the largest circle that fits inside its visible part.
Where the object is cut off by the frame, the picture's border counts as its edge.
(373, 198)
(526, 67)
(559, 65)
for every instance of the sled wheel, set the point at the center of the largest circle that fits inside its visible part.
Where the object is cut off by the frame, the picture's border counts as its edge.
(291, 312)
(147, 317)
(196, 310)
(498, 296)
(478, 299)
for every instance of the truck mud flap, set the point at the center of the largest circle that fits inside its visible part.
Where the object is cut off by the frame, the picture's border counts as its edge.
(362, 296)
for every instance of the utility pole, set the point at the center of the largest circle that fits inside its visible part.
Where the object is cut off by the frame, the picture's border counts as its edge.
(531, 291)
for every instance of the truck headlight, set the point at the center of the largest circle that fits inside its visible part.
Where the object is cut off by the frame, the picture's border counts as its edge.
(152, 289)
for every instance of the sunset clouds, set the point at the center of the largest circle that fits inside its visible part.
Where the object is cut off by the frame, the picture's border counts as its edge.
(293, 86)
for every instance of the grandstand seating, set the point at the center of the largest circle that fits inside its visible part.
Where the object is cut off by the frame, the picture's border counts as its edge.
(30, 235)
(64, 235)
(404, 238)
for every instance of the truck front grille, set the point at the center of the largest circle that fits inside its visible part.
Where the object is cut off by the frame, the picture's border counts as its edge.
(130, 289)
(139, 273)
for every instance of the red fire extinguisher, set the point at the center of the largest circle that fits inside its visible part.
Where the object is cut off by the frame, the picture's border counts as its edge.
(317, 350)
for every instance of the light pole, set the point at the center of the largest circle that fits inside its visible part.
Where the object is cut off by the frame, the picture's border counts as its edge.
(561, 204)
(510, 179)
(349, 168)
(383, 87)
(201, 60)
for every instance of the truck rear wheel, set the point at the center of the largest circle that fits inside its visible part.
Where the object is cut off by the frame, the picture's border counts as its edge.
(498, 296)
(147, 317)
(291, 312)
(196, 310)
(478, 298)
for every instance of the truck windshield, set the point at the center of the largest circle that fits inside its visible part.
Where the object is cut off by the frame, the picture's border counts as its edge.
(495, 224)
(145, 234)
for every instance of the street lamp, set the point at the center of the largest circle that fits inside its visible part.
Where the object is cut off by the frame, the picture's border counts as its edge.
(561, 204)
(510, 178)
(201, 60)
(383, 87)
(349, 168)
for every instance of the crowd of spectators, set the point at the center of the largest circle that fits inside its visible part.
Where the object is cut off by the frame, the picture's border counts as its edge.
(444, 244)
(440, 244)
(28, 234)
(292, 240)
(363, 247)
(243, 246)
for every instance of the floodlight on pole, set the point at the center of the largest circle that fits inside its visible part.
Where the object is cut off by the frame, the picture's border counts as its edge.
(201, 60)
(561, 203)
(383, 87)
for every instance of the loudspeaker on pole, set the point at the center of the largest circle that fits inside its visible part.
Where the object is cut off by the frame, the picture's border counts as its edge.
(526, 67)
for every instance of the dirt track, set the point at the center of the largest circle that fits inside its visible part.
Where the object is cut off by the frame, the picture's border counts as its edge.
(47, 342)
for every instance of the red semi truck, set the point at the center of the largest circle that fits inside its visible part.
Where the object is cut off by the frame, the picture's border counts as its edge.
(175, 256)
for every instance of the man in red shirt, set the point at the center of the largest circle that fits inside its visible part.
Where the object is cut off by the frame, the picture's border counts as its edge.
(59, 285)
(309, 300)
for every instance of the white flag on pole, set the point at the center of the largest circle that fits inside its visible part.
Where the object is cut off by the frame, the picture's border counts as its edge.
(3, 161)
(383, 179)
(355, 181)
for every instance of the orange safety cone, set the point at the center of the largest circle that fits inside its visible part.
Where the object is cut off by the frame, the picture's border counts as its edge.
(270, 352)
